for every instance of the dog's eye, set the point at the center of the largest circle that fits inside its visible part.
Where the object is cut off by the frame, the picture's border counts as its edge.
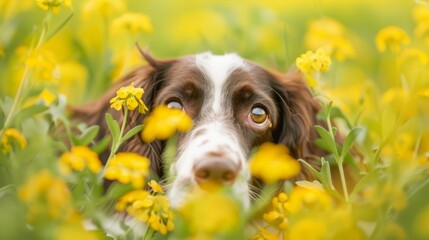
(258, 115)
(175, 104)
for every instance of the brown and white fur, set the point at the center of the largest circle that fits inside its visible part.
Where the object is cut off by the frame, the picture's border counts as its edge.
(218, 93)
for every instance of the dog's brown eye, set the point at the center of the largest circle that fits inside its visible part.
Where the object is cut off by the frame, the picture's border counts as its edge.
(258, 115)
(175, 104)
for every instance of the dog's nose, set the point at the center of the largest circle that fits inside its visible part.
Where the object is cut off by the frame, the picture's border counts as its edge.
(217, 170)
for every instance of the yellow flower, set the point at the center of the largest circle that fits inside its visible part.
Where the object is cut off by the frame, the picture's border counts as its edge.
(422, 31)
(420, 13)
(53, 5)
(154, 210)
(264, 234)
(311, 63)
(421, 17)
(163, 122)
(129, 96)
(412, 57)
(45, 98)
(215, 219)
(79, 158)
(272, 163)
(277, 217)
(133, 23)
(156, 188)
(331, 35)
(310, 197)
(392, 38)
(104, 8)
(10, 136)
(128, 168)
(46, 196)
(42, 61)
(309, 229)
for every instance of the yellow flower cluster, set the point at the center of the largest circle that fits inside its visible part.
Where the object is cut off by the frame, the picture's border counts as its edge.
(79, 158)
(10, 136)
(163, 122)
(264, 234)
(412, 57)
(129, 96)
(311, 63)
(392, 38)
(307, 207)
(217, 220)
(384, 193)
(331, 35)
(46, 196)
(156, 188)
(128, 168)
(421, 17)
(45, 98)
(278, 216)
(43, 61)
(53, 5)
(152, 209)
(272, 163)
(133, 23)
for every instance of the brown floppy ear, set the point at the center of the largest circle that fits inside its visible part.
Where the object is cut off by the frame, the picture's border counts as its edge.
(297, 116)
(150, 78)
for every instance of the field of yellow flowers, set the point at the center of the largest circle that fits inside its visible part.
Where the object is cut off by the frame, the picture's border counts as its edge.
(367, 62)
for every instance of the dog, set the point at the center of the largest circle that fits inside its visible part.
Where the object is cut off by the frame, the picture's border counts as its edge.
(235, 105)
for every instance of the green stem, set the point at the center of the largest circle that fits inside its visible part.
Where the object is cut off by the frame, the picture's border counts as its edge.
(116, 144)
(343, 182)
(130, 228)
(338, 159)
(24, 80)
(148, 234)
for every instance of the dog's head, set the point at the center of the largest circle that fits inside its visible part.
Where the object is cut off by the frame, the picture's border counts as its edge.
(235, 105)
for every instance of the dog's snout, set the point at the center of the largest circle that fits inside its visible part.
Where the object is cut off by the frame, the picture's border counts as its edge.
(215, 169)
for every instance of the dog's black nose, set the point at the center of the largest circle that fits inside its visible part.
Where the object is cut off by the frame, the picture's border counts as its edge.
(215, 170)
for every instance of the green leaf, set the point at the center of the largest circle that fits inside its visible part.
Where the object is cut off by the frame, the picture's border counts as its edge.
(337, 113)
(326, 174)
(132, 132)
(323, 144)
(60, 26)
(29, 112)
(348, 142)
(328, 142)
(113, 127)
(311, 168)
(87, 136)
(102, 144)
(169, 155)
(117, 190)
(58, 111)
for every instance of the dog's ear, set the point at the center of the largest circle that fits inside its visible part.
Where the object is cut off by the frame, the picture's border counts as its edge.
(297, 115)
(148, 77)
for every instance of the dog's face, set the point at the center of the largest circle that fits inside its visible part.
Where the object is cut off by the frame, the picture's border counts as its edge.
(231, 104)
(235, 105)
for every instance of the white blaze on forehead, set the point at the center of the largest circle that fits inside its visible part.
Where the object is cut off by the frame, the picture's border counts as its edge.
(217, 69)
